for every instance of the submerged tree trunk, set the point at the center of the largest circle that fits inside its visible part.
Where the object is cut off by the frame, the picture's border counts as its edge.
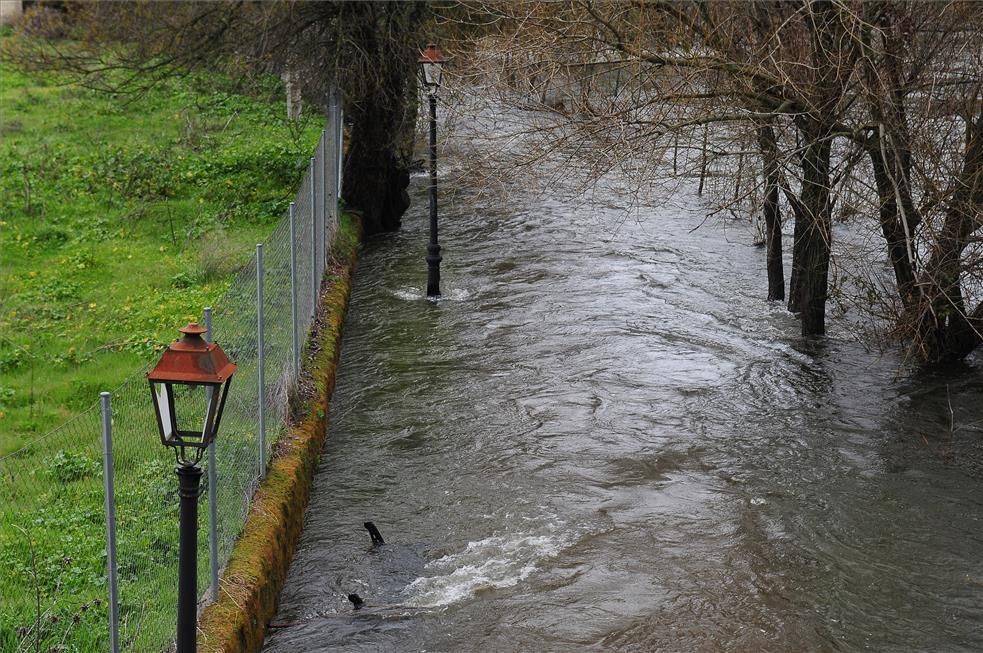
(832, 57)
(897, 222)
(772, 213)
(889, 148)
(376, 172)
(382, 112)
(943, 329)
(811, 247)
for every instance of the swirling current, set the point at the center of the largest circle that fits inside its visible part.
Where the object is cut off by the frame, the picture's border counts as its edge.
(602, 438)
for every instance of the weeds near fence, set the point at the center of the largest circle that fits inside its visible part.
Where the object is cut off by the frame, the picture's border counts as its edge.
(108, 251)
(115, 222)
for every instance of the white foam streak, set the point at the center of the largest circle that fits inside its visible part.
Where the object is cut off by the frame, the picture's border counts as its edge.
(492, 563)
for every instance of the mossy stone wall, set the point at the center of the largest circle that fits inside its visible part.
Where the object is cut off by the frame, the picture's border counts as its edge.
(250, 585)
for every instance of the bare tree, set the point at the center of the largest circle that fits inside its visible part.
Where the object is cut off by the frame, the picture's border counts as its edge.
(871, 109)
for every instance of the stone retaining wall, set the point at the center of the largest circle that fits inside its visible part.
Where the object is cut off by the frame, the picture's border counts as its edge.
(251, 582)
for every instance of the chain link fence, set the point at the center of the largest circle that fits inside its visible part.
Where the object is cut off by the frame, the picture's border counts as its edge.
(65, 514)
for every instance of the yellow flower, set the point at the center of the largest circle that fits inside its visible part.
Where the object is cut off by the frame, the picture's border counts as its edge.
(2, 414)
(163, 248)
(33, 274)
(92, 305)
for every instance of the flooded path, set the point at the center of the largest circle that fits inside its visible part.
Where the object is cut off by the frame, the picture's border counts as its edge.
(603, 438)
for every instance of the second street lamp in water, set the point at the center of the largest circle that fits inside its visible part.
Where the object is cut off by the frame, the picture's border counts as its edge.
(431, 63)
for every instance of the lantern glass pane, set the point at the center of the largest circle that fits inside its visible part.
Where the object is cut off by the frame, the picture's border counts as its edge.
(211, 405)
(165, 409)
(220, 394)
(193, 409)
(431, 74)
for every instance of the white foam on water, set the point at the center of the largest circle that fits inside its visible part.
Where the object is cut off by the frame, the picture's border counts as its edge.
(409, 294)
(414, 294)
(459, 294)
(492, 563)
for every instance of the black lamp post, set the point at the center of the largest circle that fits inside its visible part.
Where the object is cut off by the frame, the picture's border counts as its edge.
(431, 68)
(188, 387)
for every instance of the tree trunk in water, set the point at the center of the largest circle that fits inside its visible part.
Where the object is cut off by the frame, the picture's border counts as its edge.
(832, 58)
(376, 173)
(943, 329)
(811, 247)
(889, 149)
(703, 161)
(891, 185)
(772, 213)
(382, 111)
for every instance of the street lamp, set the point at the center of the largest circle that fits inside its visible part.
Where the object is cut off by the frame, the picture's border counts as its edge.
(431, 69)
(188, 387)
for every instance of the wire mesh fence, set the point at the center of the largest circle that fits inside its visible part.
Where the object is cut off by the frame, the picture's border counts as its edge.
(54, 577)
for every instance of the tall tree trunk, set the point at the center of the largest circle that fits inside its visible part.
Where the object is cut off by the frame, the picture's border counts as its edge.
(944, 329)
(376, 172)
(772, 212)
(896, 226)
(813, 230)
(382, 114)
(703, 160)
(889, 149)
(833, 56)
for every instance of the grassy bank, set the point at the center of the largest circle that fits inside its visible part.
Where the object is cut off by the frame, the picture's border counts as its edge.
(120, 218)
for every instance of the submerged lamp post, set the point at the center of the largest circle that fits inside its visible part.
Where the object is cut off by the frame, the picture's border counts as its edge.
(431, 68)
(188, 388)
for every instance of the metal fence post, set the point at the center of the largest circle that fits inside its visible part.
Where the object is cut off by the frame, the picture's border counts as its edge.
(109, 490)
(323, 197)
(212, 484)
(341, 139)
(331, 176)
(314, 278)
(295, 339)
(261, 360)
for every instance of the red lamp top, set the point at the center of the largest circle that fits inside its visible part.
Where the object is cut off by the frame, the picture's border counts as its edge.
(191, 359)
(431, 55)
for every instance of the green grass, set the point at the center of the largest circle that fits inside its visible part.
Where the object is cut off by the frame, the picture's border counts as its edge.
(120, 219)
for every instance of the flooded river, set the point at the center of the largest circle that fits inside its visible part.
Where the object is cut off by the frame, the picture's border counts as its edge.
(603, 438)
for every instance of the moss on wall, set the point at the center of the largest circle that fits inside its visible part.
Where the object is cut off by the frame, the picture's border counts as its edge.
(250, 585)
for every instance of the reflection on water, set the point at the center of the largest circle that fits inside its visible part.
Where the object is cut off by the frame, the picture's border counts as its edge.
(605, 439)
